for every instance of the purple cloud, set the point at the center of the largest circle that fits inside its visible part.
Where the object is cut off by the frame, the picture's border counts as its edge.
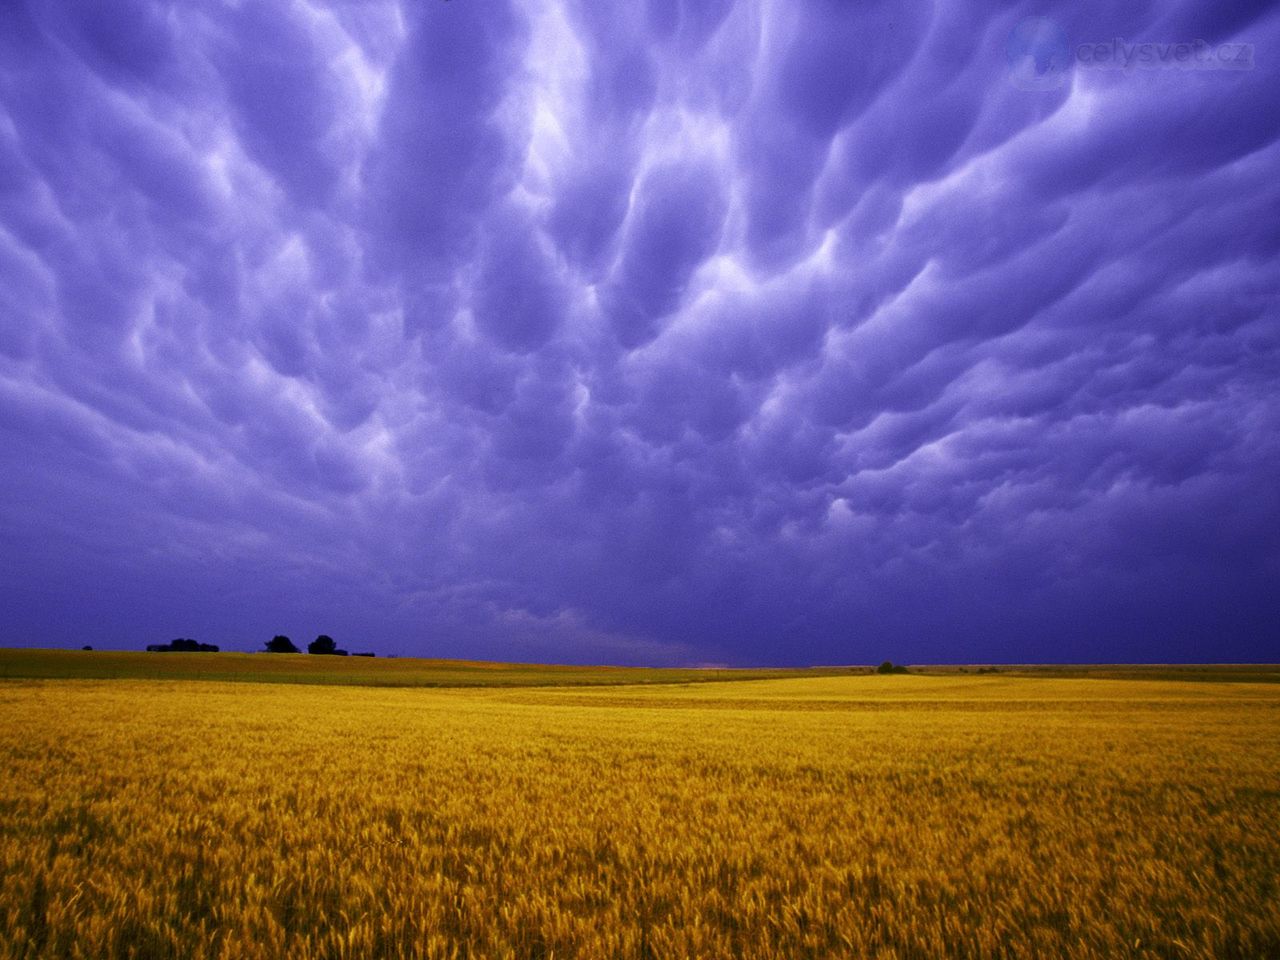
(688, 332)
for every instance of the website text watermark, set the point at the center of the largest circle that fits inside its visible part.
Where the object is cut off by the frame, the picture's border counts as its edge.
(1117, 54)
(1040, 56)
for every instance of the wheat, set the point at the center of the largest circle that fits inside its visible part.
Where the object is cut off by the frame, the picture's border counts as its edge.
(896, 817)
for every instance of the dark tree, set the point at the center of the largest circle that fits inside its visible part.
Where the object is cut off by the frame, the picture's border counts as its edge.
(87, 646)
(281, 644)
(890, 667)
(322, 644)
(182, 645)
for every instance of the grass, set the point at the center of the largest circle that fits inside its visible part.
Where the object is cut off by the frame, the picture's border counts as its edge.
(807, 816)
(46, 664)
(33, 664)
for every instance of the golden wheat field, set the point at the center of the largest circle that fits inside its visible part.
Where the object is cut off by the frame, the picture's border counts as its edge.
(867, 816)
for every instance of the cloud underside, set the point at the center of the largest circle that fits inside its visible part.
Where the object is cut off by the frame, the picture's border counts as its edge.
(691, 331)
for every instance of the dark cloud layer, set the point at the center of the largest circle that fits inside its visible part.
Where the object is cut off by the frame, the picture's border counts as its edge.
(680, 332)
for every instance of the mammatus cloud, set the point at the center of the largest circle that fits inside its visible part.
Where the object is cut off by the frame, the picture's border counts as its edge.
(739, 332)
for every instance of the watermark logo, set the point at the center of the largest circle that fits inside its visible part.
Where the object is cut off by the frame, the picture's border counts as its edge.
(1039, 54)
(1041, 57)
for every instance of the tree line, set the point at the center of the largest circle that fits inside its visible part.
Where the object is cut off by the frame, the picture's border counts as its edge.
(323, 645)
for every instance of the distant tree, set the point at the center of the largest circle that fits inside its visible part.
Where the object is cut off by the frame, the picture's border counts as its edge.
(182, 645)
(890, 667)
(322, 644)
(87, 646)
(281, 644)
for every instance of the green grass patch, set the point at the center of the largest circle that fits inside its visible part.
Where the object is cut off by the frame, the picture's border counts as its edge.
(36, 664)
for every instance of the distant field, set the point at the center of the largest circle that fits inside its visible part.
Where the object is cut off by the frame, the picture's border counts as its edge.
(359, 671)
(948, 816)
(31, 664)
(1218, 672)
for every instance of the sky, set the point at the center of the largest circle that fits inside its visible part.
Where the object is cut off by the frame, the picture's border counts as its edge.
(662, 332)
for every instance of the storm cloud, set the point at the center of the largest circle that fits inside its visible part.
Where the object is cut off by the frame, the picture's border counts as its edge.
(681, 332)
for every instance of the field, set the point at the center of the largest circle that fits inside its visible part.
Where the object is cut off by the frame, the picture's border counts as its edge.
(809, 816)
(38, 664)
